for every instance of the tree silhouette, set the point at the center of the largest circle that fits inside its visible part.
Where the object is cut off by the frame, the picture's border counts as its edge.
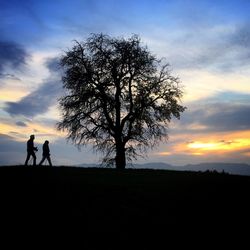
(119, 97)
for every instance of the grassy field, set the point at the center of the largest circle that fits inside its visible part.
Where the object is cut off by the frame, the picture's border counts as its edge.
(107, 201)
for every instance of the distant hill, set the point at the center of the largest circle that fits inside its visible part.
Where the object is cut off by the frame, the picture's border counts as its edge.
(231, 168)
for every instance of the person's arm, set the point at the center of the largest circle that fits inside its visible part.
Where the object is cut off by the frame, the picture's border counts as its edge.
(46, 150)
(34, 148)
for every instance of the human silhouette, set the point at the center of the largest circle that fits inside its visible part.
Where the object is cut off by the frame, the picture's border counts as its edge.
(31, 150)
(46, 153)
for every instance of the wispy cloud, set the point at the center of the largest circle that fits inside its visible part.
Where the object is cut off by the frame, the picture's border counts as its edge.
(41, 99)
(9, 76)
(12, 55)
(224, 112)
(21, 124)
(215, 47)
(37, 102)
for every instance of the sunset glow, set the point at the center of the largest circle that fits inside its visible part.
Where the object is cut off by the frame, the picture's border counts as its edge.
(12, 94)
(238, 141)
(222, 145)
(21, 133)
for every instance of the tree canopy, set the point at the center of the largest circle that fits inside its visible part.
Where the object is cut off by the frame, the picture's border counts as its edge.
(119, 97)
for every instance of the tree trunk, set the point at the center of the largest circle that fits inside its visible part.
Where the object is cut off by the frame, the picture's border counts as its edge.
(120, 159)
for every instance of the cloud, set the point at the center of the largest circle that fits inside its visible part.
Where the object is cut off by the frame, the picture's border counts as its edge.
(215, 47)
(241, 36)
(228, 97)
(21, 124)
(9, 76)
(40, 100)
(230, 49)
(37, 102)
(227, 117)
(217, 117)
(12, 55)
(53, 64)
(212, 115)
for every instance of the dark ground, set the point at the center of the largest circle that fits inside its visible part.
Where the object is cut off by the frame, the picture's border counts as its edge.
(99, 205)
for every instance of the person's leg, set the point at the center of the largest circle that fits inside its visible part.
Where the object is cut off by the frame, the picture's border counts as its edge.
(41, 162)
(49, 160)
(27, 159)
(34, 158)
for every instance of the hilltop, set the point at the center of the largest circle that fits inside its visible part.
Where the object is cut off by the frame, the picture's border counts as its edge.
(102, 200)
(231, 168)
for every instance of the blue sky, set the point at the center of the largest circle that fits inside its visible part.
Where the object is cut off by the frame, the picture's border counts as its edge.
(207, 44)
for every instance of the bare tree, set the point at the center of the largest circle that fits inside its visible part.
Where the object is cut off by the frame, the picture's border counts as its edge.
(119, 97)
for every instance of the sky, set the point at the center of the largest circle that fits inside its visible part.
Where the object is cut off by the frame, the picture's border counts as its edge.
(206, 42)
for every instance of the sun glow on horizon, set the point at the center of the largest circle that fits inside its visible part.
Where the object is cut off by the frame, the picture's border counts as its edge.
(216, 144)
(220, 145)
(200, 145)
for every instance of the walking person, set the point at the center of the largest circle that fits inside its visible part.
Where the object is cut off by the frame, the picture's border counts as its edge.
(46, 153)
(31, 151)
